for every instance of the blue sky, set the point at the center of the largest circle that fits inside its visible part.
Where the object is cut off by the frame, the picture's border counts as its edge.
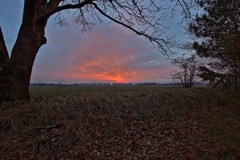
(109, 53)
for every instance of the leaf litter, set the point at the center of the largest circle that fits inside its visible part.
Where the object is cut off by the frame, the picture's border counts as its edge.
(131, 126)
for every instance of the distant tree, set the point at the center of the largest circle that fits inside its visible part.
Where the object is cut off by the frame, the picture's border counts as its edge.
(187, 70)
(60, 85)
(218, 30)
(143, 17)
(40, 83)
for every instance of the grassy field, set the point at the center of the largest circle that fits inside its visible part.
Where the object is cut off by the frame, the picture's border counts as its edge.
(55, 90)
(121, 123)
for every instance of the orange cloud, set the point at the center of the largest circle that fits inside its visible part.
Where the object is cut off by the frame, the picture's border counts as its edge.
(108, 54)
(110, 67)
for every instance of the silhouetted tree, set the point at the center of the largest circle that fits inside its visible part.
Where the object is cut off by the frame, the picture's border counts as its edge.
(218, 30)
(143, 17)
(186, 74)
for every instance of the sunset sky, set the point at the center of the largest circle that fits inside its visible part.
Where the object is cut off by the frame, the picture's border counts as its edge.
(109, 53)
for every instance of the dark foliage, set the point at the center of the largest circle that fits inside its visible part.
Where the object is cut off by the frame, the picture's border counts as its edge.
(218, 30)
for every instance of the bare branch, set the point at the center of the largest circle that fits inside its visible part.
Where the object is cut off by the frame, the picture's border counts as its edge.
(184, 7)
(161, 43)
(187, 70)
(53, 4)
(142, 18)
(65, 7)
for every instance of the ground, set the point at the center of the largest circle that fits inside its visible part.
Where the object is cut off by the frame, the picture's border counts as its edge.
(138, 123)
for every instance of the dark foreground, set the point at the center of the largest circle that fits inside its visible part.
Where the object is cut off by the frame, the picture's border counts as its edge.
(169, 124)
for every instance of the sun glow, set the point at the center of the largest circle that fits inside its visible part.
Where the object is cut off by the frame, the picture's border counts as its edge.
(117, 78)
(111, 77)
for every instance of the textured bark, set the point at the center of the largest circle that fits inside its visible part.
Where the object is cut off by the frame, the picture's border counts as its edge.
(4, 58)
(3, 48)
(30, 39)
(16, 72)
(23, 57)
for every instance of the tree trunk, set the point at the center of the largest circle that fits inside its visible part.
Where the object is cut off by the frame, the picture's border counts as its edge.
(16, 71)
(22, 60)
(4, 58)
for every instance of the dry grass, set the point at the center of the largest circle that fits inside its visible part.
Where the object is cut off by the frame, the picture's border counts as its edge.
(169, 124)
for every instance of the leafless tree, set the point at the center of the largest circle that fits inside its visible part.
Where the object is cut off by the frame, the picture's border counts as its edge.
(60, 85)
(40, 83)
(187, 70)
(142, 17)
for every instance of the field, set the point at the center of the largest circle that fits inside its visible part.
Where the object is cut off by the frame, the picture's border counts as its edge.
(61, 90)
(121, 122)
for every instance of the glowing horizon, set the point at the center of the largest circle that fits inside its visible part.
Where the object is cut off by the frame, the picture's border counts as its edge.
(109, 53)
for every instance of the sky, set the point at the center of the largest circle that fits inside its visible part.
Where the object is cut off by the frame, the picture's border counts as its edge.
(109, 53)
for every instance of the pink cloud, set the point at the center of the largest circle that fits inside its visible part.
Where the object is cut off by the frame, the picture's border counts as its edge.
(108, 54)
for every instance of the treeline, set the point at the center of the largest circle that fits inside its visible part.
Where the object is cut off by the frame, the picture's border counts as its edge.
(114, 84)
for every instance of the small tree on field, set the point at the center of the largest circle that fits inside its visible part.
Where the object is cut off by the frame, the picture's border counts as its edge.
(187, 70)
